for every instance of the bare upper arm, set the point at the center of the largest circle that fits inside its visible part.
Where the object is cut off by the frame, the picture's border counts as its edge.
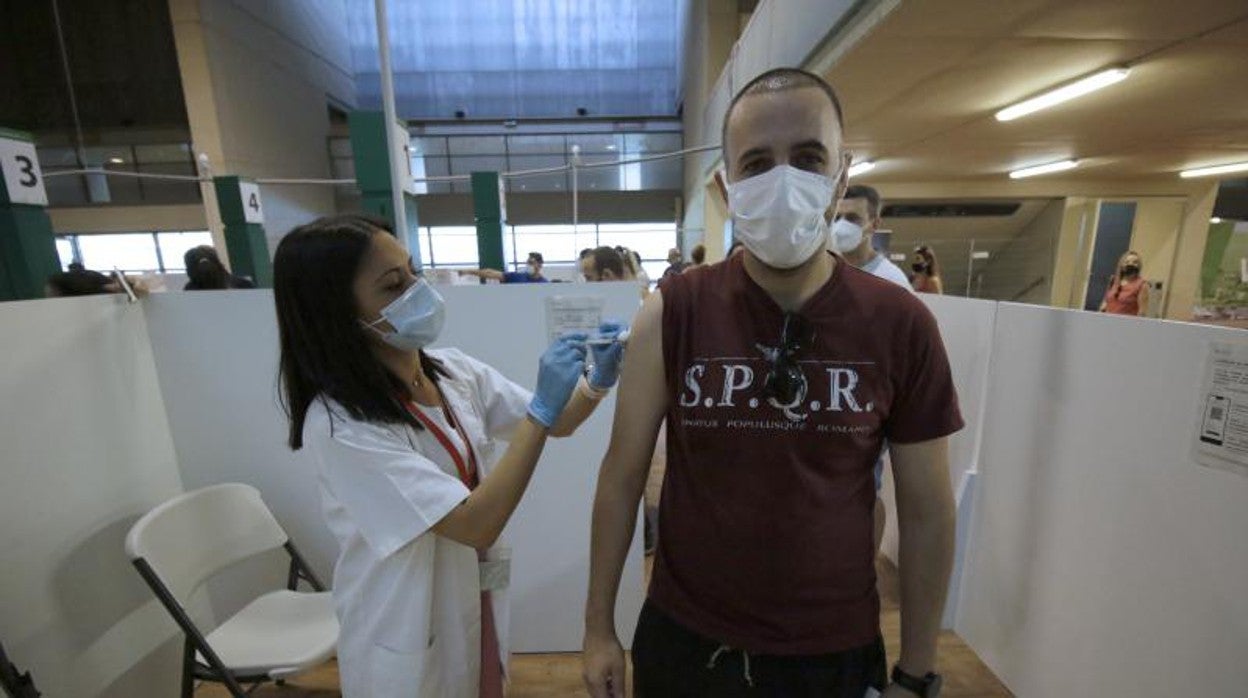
(642, 398)
(921, 475)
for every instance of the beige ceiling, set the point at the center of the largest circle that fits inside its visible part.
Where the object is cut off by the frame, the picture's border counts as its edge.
(921, 89)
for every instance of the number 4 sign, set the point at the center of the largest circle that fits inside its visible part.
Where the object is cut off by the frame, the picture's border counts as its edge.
(22, 177)
(253, 212)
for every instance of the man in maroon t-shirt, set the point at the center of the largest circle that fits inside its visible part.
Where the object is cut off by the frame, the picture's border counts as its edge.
(780, 373)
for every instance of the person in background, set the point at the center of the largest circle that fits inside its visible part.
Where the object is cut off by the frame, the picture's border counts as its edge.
(79, 281)
(698, 256)
(584, 261)
(630, 266)
(532, 273)
(1128, 291)
(604, 264)
(399, 434)
(206, 272)
(776, 405)
(675, 264)
(926, 271)
(857, 218)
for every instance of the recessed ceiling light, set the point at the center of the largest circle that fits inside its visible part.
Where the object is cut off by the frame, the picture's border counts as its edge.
(1215, 220)
(860, 167)
(1044, 169)
(1092, 83)
(116, 161)
(1215, 170)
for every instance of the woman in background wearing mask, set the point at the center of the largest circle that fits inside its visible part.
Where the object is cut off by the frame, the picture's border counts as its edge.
(926, 271)
(1128, 291)
(401, 435)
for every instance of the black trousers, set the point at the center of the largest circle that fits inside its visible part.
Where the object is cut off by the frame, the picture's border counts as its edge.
(670, 661)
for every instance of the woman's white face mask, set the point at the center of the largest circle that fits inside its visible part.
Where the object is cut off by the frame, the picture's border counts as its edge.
(779, 214)
(417, 317)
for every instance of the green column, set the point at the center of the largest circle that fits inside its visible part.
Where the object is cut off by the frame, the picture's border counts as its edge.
(372, 176)
(27, 244)
(490, 212)
(242, 212)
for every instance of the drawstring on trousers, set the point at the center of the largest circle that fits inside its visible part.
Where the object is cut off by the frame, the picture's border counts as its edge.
(745, 657)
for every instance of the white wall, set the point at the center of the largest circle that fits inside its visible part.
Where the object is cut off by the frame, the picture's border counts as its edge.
(216, 353)
(1103, 559)
(967, 328)
(86, 452)
(258, 77)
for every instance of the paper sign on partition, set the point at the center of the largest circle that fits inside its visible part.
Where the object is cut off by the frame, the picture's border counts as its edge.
(1222, 428)
(573, 314)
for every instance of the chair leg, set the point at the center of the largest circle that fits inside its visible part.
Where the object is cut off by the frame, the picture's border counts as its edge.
(188, 669)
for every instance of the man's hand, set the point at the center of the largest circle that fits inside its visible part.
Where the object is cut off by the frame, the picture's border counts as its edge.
(602, 666)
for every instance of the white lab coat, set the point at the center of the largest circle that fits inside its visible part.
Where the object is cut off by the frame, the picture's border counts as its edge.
(408, 600)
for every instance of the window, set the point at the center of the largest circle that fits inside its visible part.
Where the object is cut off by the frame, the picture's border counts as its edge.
(160, 252)
(453, 246)
(130, 252)
(173, 247)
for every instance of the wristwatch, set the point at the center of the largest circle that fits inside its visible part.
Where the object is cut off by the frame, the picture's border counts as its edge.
(925, 687)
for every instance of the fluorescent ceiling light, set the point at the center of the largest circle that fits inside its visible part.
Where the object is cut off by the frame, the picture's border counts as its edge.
(897, 257)
(1092, 83)
(1215, 220)
(1044, 169)
(860, 167)
(1217, 170)
(979, 255)
(116, 161)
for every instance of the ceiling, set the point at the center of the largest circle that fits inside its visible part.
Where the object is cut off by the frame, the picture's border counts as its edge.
(921, 89)
(523, 59)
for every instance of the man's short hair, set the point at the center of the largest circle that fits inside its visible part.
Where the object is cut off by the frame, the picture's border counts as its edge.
(536, 257)
(698, 255)
(862, 191)
(606, 258)
(587, 252)
(778, 80)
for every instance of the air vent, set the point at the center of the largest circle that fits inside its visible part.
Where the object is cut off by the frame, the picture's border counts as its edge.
(950, 210)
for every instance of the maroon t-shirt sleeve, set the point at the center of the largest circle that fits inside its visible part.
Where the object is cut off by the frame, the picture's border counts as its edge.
(926, 404)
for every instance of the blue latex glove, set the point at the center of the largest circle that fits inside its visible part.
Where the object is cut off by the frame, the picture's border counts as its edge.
(560, 368)
(607, 358)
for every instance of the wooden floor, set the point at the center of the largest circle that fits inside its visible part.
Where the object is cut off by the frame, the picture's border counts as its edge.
(559, 675)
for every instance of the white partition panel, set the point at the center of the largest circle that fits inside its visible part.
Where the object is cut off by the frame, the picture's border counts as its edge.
(1104, 561)
(217, 357)
(86, 452)
(967, 328)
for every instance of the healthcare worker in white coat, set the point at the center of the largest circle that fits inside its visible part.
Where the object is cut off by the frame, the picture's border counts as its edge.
(403, 438)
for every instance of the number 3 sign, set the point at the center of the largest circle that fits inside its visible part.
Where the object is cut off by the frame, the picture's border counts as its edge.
(22, 176)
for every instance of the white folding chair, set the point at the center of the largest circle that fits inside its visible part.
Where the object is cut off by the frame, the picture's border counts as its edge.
(180, 544)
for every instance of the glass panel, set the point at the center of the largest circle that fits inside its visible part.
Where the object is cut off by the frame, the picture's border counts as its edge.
(57, 158)
(64, 250)
(476, 145)
(173, 247)
(536, 145)
(556, 243)
(454, 245)
(110, 155)
(66, 191)
(599, 179)
(596, 143)
(126, 251)
(651, 143)
(429, 145)
(478, 163)
(650, 240)
(425, 257)
(172, 152)
(165, 191)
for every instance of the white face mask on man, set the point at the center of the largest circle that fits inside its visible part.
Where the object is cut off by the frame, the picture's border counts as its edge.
(846, 236)
(779, 214)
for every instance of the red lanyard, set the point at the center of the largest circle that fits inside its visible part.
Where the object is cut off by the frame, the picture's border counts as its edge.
(468, 473)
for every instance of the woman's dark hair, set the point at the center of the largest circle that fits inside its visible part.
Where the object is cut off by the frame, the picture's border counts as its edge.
(929, 258)
(205, 270)
(79, 282)
(325, 352)
(608, 259)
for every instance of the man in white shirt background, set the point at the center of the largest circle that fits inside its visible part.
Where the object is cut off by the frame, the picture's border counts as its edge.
(857, 218)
